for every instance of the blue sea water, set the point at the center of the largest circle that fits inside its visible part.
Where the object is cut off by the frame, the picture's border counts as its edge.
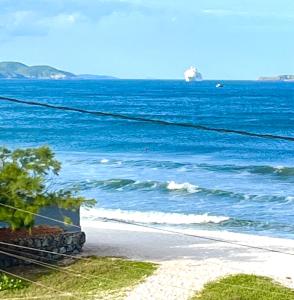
(168, 176)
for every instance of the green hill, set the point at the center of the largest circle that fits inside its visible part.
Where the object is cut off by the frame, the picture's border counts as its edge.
(16, 70)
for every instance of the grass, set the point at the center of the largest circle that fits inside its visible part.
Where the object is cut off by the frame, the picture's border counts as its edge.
(245, 287)
(102, 278)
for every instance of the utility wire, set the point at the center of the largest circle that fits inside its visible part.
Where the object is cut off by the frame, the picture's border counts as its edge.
(198, 236)
(70, 272)
(178, 287)
(147, 120)
(42, 264)
(174, 232)
(35, 297)
(46, 296)
(38, 215)
(45, 251)
(136, 267)
(140, 119)
(60, 293)
(56, 267)
(34, 282)
(164, 230)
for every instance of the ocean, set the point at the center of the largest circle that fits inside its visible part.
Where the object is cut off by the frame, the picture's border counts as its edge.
(162, 175)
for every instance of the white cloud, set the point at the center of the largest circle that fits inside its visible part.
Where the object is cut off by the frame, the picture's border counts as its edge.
(248, 14)
(19, 23)
(224, 12)
(64, 19)
(35, 18)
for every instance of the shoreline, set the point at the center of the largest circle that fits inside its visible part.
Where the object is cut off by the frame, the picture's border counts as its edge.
(118, 234)
(189, 261)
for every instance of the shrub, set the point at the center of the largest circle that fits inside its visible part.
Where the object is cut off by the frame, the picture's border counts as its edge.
(9, 283)
(25, 177)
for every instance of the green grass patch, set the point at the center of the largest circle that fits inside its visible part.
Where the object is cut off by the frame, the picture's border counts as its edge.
(9, 283)
(245, 287)
(101, 278)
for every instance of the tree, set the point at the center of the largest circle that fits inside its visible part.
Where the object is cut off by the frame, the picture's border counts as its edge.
(25, 176)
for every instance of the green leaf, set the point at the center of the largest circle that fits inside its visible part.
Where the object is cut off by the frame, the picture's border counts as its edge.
(23, 174)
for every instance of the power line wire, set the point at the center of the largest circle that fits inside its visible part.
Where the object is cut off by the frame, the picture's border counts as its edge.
(38, 215)
(34, 282)
(178, 287)
(130, 267)
(42, 264)
(167, 123)
(76, 274)
(198, 236)
(174, 232)
(45, 251)
(164, 230)
(56, 267)
(147, 120)
(60, 293)
(66, 271)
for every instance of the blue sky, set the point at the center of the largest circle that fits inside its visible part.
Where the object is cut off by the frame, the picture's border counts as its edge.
(224, 39)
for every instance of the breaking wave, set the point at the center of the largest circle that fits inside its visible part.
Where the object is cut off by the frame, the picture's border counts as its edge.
(149, 185)
(190, 188)
(172, 187)
(151, 217)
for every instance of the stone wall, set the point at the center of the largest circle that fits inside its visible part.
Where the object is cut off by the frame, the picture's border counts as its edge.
(64, 243)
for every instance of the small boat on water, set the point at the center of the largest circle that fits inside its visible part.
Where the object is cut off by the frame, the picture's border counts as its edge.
(219, 85)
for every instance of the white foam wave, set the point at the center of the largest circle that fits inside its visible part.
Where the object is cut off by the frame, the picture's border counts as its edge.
(190, 188)
(104, 161)
(290, 198)
(151, 217)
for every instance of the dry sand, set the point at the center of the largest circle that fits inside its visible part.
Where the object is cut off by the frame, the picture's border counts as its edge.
(187, 263)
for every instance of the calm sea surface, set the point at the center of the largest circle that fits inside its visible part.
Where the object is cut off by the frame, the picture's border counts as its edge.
(167, 176)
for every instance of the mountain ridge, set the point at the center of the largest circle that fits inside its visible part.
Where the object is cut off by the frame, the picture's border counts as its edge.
(17, 70)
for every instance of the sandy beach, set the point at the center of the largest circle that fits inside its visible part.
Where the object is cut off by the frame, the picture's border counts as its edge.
(187, 263)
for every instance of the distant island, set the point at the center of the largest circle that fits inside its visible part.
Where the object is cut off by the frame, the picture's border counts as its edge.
(277, 78)
(16, 70)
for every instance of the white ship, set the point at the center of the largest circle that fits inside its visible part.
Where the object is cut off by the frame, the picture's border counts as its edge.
(192, 74)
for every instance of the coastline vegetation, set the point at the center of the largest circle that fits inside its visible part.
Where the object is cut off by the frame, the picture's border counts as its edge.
(244, 287)
(101, 278)
(26, 178)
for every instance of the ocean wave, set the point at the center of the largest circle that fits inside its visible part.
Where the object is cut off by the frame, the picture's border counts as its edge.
(256, 225)
(149, 185)
(185, 188)
(280, 171)
(150, 217)
(190, 188)
(260, 170)
(104, 161)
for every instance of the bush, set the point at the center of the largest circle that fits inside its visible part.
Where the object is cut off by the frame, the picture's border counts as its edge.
(25, 175)
(9, 283)
(244, 287)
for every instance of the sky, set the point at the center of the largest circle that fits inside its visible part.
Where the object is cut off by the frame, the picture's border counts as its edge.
(224, 39)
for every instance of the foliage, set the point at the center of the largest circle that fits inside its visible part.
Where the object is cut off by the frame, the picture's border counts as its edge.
(102, 278)
(25, 178)
(245, 287)
(10, 283)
